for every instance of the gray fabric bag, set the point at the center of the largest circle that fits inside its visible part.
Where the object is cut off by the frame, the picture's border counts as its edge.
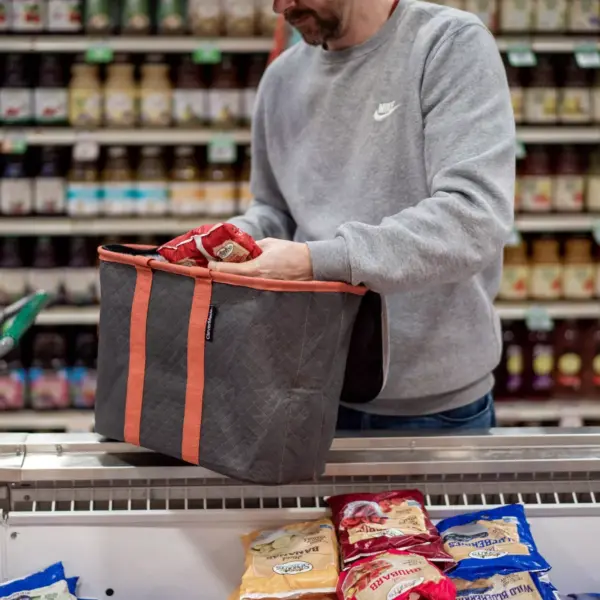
(240, 375)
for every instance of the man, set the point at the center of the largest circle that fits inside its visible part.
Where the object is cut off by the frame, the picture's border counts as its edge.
(383, 146)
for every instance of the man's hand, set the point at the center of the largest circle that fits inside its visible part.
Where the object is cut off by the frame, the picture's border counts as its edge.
(280, 260)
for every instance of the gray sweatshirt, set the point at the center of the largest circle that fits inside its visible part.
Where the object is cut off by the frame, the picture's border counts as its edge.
(395, 161)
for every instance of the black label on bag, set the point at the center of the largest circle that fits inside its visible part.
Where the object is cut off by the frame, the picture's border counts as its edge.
(210, 323)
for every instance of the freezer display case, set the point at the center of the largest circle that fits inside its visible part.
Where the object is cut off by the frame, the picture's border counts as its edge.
(138, 526)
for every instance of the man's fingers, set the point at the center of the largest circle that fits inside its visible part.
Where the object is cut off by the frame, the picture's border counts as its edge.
(247, 269)
(264, 244)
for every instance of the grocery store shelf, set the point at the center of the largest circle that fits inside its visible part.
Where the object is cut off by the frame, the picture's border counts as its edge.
(557, 222)
(587, 134)
(131, 137)
(70, 421)
(565, 413)
(72, 315)
(556, 310)
(165, 44)
(545, 44)
(99, 226)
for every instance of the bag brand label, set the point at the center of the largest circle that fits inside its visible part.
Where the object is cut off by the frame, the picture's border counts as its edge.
(210, 323)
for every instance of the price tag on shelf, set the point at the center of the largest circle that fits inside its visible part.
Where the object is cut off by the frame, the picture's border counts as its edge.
(207, 54)
(588, 56)
(537, 318)
(596, 231)
(515, 238)
(222, 149)
(99, 53)
(521, 150)
(14, 143)
(522, 56)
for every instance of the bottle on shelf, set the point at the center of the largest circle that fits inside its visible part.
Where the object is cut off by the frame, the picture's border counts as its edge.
(29, 16)
(568, 368)
(80, 276)
(85, 95)
(578, 270)
(187, 189)
(189, 95)
(13, 275)
(515, 273)
(49, 186)
(536, 181)
(220, 190)
(591, 361)
(225, 95)
(45, 273)
(516, 16)
(16, 95)
(539, 363)
(550, 16)
(238, 18)
(65, 16)
(541, 94)
(546, 270)
(592, 201)
(171, 17)
(83, 373)
(206, 17)
(156, 94)
(16, 187)
(135, 17)
(48, 375)
(13, 382)
(569, 182)
(120, 94)
(51, 96)
(584, 16)
(84, 197)
(256, 68)
(244, 191)
(517, 91)
(99, 17)
(5, 16)
(266, 19)
(118, 187)
(152, 186)
(510, 374)
(575, 97)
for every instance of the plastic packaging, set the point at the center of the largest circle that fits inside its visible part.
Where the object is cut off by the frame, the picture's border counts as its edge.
(49, 584)
(491, 542)
(394, 575)
(520, 586)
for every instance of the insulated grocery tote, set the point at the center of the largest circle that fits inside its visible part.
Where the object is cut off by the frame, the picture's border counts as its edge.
(240, 375)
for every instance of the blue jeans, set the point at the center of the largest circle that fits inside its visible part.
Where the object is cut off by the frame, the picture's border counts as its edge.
(479, 415)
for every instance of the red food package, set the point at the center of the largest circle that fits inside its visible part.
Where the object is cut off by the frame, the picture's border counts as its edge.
(394, 575)
(371, 523)
(221, 242)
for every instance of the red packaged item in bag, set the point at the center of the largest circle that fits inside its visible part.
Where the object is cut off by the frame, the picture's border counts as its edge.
(394, 575)
(368, 524)
(221, 242)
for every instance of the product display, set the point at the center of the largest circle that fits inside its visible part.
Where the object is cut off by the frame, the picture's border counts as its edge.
(522, 586)
(48, 584)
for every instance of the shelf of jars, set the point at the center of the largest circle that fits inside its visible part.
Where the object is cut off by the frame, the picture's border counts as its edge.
(542, 223)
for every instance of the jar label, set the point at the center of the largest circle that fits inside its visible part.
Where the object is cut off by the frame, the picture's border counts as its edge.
(48, 388)
(152, 198)
(28, 15)
(189, 107)
(578, 281)
(85, 107)
(220, 198)
(568, 193)
(546, 281)
(541, 105)
(16, 196)
(187, 197)
(575, 105)
(51, 105)
(517, 96)
(119, 108)
(82, 387)
(16, 105)
(224, 107)
(516, 15)
(543, 365)
(551, 15)
(5, 20)
(119, 198)
(64, 15)
(12, 390)
(49, 280)
(593, 193)
(13, 285)
(515, 280)
(514, 367)
(569, 371)
(49, 195)
(536, 193)
(156, 108)
(80, 285)
(83, 199)
(583, 15)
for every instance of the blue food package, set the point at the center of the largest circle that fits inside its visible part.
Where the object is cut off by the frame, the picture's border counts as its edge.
(517, 586)
(49, 584)
(491, 542)
(72, 585)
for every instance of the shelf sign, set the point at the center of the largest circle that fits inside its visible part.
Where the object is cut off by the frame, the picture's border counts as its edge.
(521, 150)
(522, 56)
(14, 143)
(100, 53)
(207, 54)
(596, 231)
(222, 149)
(515, 238)
(588, 56)
(537, 318)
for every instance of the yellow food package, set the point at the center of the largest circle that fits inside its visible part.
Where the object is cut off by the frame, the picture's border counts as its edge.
(298, 561)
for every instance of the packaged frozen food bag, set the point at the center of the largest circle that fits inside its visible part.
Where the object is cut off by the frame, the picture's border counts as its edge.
(298, 561)
(72, 585)
(371, 523)
(49, 584)
(394, 575)
(220, 242)
(491, 542)
(520, 586)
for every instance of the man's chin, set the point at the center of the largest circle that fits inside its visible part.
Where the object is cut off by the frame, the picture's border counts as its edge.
(311, 37)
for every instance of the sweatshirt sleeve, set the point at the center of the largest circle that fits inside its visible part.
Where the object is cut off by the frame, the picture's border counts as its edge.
(469, 155)
(268, 215)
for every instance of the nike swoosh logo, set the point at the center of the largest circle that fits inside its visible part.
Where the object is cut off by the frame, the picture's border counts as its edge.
(378, 116)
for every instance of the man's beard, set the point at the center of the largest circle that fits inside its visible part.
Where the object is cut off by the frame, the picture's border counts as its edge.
(317, 30)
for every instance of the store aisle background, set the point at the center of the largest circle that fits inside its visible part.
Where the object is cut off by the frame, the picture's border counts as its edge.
(84, 162)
